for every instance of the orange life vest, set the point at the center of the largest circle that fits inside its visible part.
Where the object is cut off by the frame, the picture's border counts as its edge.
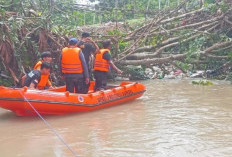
(44, 80)
(71, 62)
(100, 63)
(38, 65)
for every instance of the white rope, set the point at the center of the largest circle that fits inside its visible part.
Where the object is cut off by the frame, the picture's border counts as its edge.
(50, 127)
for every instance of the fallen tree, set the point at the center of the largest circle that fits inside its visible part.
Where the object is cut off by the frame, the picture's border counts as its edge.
(197, 35)
(172, 58)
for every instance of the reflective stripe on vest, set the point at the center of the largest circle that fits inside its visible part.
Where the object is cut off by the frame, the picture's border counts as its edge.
(100, 63)
(71, 62)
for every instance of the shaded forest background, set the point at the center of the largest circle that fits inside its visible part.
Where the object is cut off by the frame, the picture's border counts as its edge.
(188, 34)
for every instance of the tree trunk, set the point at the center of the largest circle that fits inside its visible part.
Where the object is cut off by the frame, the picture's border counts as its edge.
(148, 4)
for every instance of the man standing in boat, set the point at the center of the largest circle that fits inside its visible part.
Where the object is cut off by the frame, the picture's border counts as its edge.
(89, 49)
(102, 65)
(33, 78)
(74, 68)
(44, 83)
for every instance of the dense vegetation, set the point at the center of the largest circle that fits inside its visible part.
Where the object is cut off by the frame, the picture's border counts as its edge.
(188, 34)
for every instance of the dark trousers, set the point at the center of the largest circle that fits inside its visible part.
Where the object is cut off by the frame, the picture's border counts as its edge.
(100, 80)
(77, 85)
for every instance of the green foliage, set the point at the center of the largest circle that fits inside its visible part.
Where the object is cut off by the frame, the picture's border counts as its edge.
(114, 32)
(193, 48)
(154, 40)
(184, 66)
(211, 7)
(202, 82)
(230, 55)
(135, 73)
(224, 7)
(136, 22)
(5, 82)
(210, 1)
(131, 9)
(123, 45)
(121, 42)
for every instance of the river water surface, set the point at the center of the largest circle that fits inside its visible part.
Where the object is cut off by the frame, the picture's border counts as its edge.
(173, 119)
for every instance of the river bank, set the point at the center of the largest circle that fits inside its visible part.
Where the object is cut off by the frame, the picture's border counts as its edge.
(170, 72)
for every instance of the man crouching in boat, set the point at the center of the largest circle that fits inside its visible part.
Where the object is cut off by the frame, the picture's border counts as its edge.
(102, 65)
(74, 68)
(44, 82)
(32, 79)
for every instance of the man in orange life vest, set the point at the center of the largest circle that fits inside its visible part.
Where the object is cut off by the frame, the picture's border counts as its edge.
(33, 78)
(44, 82)
(102, 65)
(74, 68)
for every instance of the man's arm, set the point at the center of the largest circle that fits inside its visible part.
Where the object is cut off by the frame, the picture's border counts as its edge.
(49, 84)
(97, 49)
(35, 80)
(85, 68)
(115, 67)
(107, 57)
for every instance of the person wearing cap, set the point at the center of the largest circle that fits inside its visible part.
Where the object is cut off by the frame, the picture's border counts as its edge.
(102, 66)
(74, 68)
(33, 78)
(88, 47)
(44, 83)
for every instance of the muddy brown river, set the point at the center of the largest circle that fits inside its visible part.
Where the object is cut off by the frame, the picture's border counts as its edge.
(173, 119)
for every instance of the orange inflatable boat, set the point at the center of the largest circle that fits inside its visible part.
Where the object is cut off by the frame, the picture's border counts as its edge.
(58, 101)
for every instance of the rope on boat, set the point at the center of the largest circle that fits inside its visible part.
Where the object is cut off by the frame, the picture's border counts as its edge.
(50, 127)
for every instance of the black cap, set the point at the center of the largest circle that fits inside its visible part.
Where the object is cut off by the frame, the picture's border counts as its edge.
(85, 35)
(46, 54)
(106, 43)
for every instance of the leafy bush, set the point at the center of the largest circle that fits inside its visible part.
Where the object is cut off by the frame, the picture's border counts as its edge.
(202, 82)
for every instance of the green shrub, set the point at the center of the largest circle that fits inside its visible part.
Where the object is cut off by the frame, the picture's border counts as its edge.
(202, 82)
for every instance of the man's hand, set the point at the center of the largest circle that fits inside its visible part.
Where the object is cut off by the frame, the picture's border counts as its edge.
(32, 86)
(51, 87)
(88, 39)
(87, 80)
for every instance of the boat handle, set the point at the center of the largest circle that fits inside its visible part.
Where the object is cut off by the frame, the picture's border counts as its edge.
(67, 93)
(91, 95)
(25, 89)
(102, 93)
